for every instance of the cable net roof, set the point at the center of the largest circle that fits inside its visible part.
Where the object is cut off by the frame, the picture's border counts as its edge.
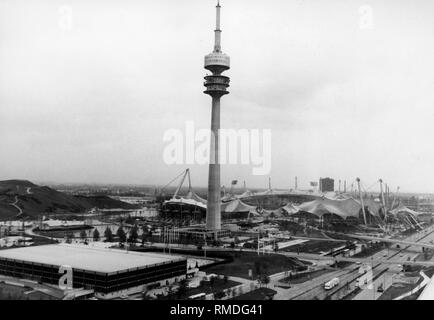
(237, 206)
(193, 196)
(403, 209)
(343, 208)
(246, 194)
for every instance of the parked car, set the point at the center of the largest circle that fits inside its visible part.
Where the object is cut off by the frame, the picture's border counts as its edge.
(380, 288)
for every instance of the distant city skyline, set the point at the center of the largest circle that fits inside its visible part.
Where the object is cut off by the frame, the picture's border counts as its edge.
(88, 90)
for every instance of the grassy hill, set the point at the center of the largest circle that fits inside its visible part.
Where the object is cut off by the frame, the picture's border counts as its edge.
(35, 200)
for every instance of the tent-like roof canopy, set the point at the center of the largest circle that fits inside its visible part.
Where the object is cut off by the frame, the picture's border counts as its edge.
(290, 209)
(182, 201)
(343, 208)
(403, 209)
(192, 195)
(286, 210)
(275, 213)
(271, 192)
(237, 206)
(191, 198)
(246, 194)
(228, 197)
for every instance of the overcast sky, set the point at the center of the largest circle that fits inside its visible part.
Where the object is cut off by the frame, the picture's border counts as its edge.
(88, 97)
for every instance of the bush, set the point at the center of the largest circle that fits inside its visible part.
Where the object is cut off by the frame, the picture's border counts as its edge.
(219, 295)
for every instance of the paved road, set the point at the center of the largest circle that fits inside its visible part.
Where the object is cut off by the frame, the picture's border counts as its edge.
(380, 263)
(51, 290)
(378, 258)
(16, 206)
(405, 241)
(320, 239)
(312, 289)
(370, 293)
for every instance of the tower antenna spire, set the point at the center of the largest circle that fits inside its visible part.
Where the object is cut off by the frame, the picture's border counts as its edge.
(217, 31)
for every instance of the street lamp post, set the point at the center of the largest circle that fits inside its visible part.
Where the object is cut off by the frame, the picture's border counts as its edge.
(204, 247)
(372, 280)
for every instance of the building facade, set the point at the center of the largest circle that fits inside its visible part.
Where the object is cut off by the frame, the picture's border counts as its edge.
(104, 271)
(326, 185)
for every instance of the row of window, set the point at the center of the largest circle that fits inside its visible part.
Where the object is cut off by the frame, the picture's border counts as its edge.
(101, 283)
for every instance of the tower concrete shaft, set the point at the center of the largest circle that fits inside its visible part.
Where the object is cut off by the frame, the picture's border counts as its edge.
(213, 216)
(216, 86)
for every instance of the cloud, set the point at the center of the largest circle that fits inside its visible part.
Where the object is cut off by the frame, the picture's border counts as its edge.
(92, 103)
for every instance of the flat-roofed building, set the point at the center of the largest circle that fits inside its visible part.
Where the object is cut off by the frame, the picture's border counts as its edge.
(326, 185)
(109, 272)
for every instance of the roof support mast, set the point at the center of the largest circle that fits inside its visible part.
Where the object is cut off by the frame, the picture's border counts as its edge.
(394, 198)
(361, 201)
(382, 200)
(187, 172)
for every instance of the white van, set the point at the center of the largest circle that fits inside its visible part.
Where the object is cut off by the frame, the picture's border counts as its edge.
(199, 296)
(331, 284)
(360, 282)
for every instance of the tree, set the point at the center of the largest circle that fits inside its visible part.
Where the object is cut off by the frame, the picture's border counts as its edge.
(219, 295)
(259, 282)
(225, 279)
(121, 235)
(69, 237)
(83, 235)
(170, 290)
(145, 235)
(108, 235)
(133, 235)
(265, 279)
(182, 288)
(212, 281)
(257, 266)
(96, 236)
(234, 291)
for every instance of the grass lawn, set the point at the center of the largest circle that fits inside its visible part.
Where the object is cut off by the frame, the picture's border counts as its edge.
(425, 256)
(395, 291)
(37, 241)
(245, 261)
(338, 236)
(429, 271)
(258, 294)
(218, 285)
(314, 246)
(367, 252)
(10, 292)
(303, 277)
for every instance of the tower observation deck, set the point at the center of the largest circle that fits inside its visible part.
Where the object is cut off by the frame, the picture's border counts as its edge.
(216, 86)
